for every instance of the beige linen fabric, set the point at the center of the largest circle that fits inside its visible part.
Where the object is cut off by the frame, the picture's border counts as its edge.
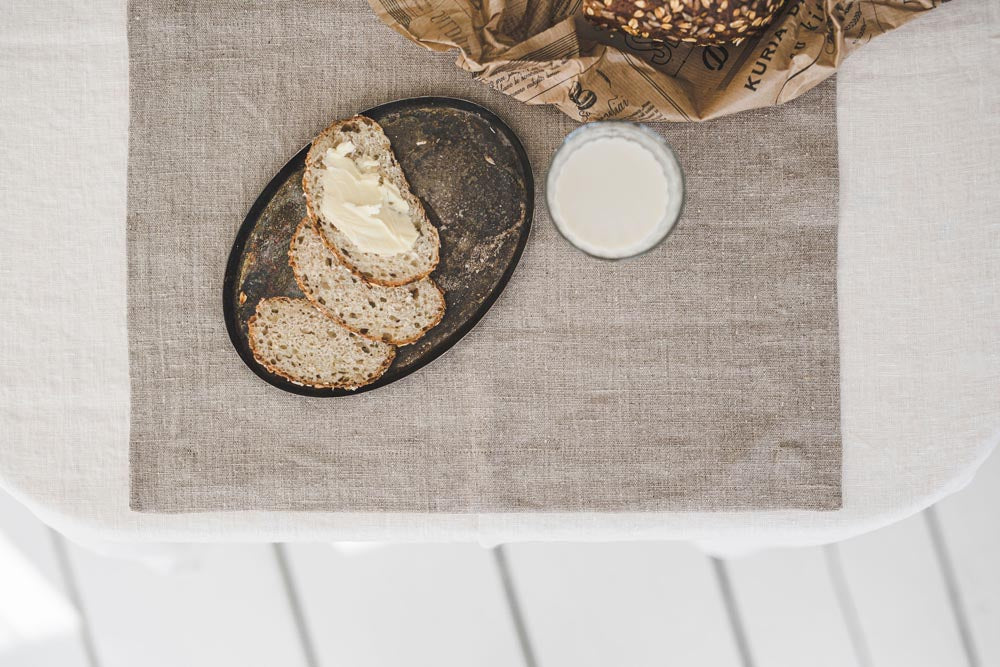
(701, 376)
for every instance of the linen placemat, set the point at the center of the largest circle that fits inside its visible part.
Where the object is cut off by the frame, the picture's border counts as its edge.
(700, 376)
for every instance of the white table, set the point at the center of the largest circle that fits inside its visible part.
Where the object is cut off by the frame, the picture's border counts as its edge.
(918, 289)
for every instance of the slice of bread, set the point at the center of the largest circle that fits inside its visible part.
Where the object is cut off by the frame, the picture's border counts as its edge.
(293, 339)
(370, 143)
(396, 315)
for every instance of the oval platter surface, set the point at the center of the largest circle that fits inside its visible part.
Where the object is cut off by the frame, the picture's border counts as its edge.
(474, 179)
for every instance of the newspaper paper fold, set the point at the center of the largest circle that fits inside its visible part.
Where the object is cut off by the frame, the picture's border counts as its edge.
(544, 52)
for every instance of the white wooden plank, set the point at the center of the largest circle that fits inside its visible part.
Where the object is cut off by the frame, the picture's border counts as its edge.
(414, 605)
(634, 604)
(902, 603)
(38, 623)
(229, 607)
(970, 525)
(790, 609)
(31, 537)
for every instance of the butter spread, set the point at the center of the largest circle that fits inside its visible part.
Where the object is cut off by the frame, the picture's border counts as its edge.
(366, 208)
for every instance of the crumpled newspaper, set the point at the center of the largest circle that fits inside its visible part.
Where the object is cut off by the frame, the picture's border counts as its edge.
(544, 52)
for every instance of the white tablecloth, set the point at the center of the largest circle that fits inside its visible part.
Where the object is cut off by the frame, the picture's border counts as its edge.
(918, 287)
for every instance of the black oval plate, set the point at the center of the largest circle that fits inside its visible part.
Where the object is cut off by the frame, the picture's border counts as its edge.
(473, 176)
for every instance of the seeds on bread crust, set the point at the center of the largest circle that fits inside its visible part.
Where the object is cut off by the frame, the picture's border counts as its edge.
(699, 22)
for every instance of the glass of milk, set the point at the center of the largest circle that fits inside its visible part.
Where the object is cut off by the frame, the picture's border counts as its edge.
(614, 189)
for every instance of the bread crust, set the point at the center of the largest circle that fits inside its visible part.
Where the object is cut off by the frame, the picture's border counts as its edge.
(312, 157)
(693, 21)
(318, 385)
(323, 309)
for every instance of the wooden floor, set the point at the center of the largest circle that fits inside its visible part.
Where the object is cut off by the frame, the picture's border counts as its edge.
(925, 592)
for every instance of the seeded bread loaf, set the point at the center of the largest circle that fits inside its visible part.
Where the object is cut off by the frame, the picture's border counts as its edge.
(291, 338)
(370, 143)
(701, 22)
(397, 315)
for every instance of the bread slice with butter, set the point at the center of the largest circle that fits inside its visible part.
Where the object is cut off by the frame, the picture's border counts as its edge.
(361, 203)
(293, 339)
(396, 315)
